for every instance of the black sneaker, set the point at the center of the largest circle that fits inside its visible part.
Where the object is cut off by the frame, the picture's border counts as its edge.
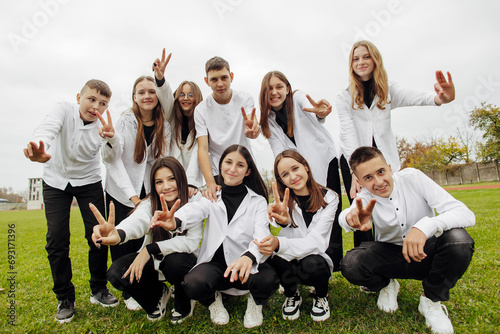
(320, 310)
(178, 318)
(65, 311)
(104, 297)
(291, 307)
(161, 308)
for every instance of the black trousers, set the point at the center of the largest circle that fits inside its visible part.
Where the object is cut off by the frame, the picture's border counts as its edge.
(148, 291)
(57, 211)
(122, 212)
(206, 278)
(312, 270)
(359, 236)
(335, 249)
(373, 264)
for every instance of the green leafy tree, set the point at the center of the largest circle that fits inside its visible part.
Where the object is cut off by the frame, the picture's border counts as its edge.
(487, 119)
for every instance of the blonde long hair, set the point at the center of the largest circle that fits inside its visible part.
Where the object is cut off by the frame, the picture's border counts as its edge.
(381, 84)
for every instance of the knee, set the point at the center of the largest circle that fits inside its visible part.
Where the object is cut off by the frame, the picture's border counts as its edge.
(195, 286)
(458, 245)
(315, 265)
(115, 275)
(350, 265)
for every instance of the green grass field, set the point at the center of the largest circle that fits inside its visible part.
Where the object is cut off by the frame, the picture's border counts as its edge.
(474, 305)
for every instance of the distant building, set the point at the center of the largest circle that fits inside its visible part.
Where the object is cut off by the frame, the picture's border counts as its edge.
(35, 197)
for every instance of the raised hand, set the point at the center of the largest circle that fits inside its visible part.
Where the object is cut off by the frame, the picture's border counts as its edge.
(359, 217)
(36, 153)
(445, 90)
(239, 269)
(252, 127)
(211, 192)
(159, 66)
(413, 245)
(106, 130)
(105, 232)
(135, 269)
(267, 245)
(279, 209)
(165, 218)
(322, 108)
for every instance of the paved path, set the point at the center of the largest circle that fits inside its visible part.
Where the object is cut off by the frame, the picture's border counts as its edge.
(474, 187)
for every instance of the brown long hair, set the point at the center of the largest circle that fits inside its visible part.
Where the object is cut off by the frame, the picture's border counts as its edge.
(177, 111)
(265, 106)
(182, 188)
(159, 123)
(316, 200)
(381, 84)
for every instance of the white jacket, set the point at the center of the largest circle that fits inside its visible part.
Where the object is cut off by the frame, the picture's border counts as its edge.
(299, 242)
(187, 157)
(248, 223)
(359, 126)
(125, 177)
(313, 140)
(138, 225)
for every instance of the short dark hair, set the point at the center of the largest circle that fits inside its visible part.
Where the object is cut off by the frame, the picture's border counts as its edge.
(363, 154)
(215, 64)
(100, 86)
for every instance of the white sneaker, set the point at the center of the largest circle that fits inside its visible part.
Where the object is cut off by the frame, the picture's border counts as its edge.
(132, 304)
(253, 315)
(388, 297)
(320, 310)
(436, 316)
(291, 307)
(161, 309)
(178, 318)
(218, 313)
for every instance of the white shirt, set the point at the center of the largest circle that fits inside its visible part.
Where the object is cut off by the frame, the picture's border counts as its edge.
(73, 146)
(184, 153)
(124, 176)
(299, 242)
(411, 204)
(223, 124)
(248, 223)
(358, 127)
(313, 140)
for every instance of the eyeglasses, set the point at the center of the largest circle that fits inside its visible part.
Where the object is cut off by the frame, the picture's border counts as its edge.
(189, 96)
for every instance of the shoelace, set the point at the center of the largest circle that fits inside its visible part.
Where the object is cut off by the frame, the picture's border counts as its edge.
(320, 303)
(436, 308)
(290, 301)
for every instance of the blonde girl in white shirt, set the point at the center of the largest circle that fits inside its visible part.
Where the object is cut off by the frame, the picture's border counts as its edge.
(305, 214)
(365, 111)
(293, 120)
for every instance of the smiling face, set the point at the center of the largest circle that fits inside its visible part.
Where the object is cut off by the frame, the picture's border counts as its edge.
(278, 90)
(145, 96)
(234, 168)
(220, 83)
(362, 63)
(166, 184)
(186, 99)
(91, 102)
(376, 176)
(294, 175)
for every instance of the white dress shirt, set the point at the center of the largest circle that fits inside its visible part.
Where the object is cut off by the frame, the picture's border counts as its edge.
(411, 204)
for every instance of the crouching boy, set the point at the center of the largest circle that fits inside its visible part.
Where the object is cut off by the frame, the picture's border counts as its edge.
(410, 241)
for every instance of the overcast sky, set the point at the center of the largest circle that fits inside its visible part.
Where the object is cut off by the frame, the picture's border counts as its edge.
(50, 48)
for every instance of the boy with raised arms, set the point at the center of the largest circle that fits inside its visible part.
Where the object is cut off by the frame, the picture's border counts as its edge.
(410, 241)
(68, 142)
(219, 121)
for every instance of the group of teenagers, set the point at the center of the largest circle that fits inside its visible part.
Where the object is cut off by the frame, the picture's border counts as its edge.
(161, 227)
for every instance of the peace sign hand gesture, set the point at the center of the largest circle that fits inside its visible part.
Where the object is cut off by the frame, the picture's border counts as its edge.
(445, 90)
(105, 232)
(279, 209)
(359, 217)
(159, 66)
(165, 218)
(252, 127)
(36, 153)
(321, 109)
(106, 130)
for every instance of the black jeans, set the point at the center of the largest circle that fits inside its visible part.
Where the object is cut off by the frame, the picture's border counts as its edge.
(206, 278)
(312, 270)
(373, 264)
(335, 250)
(57, 211)
(148, 291)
